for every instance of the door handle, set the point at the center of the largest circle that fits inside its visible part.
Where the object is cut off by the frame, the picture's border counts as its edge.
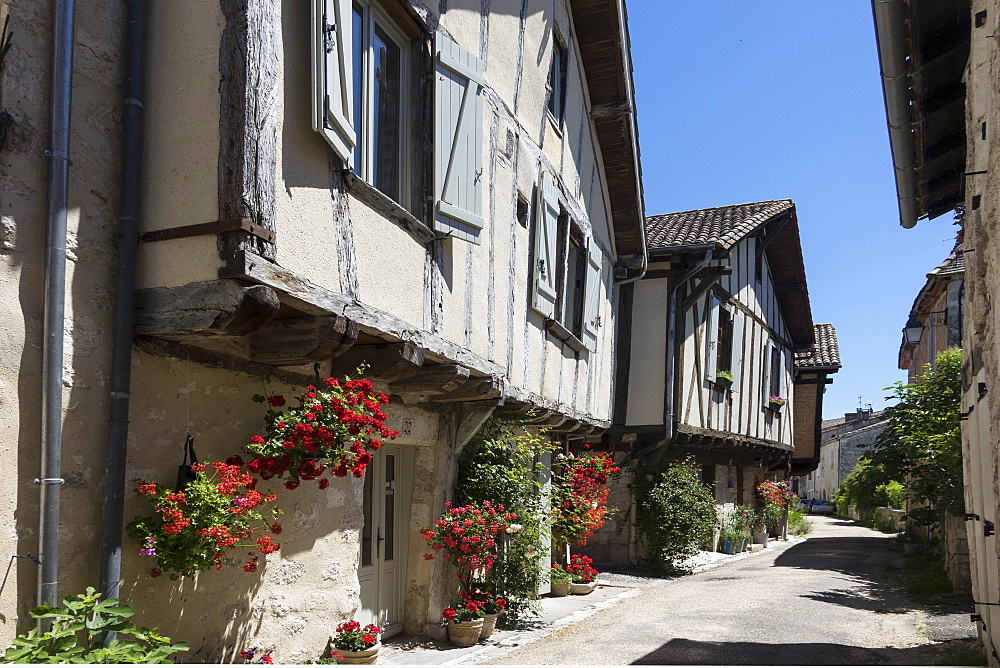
(378, 542)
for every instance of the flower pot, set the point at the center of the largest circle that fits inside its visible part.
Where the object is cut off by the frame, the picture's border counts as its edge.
(760, 537)
(582, 588)
(723, 383)
(775, 406)
(489, 624)
(464, 634)
(364, 657)
(560, 587)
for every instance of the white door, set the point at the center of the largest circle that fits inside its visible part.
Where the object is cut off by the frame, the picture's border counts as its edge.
(383, 540)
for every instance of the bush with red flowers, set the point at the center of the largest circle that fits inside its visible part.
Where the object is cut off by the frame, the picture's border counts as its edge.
(490, 604)
(580, 569)
(351, 637)
(579, 496)
(195, 529)
(332, 432)
(467, 536)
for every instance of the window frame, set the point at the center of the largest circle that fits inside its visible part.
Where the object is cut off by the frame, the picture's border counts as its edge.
(372, 16)
(560, 49)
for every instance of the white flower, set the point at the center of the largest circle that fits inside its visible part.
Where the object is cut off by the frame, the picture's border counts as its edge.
(514, 528)
(530, 554)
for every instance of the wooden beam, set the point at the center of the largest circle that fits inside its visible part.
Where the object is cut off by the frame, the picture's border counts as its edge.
(708, 279)
(477, 389)
(303, 340)
(470, 418)
(211, 308)
(388, 362)
(432, 379)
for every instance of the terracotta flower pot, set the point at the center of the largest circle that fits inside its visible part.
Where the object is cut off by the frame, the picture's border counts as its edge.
(489, 624)
(364, 657)
(582, 588)
(464, 634)
(560, 587)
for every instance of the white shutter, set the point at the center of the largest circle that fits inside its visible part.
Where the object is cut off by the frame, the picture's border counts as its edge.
(333, 76)
(783, 386)
(592, 300)
(712, 337)
(765, 373)
(546, 248)
(737, 355)
(458, 141)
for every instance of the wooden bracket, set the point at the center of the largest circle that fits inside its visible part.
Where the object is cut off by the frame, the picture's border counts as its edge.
(390, 362)
(305, 340)
(471, 418)
(214, 227)
(476, 389)
(212, 308)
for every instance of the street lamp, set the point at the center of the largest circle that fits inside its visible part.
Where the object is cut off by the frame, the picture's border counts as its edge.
(913, 330)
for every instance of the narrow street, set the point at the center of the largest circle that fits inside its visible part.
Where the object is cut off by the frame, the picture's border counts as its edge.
(834, 599)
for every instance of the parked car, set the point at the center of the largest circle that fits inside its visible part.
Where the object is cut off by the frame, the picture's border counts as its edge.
(818, 507)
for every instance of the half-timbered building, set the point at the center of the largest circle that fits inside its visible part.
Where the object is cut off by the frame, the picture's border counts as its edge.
(446, 191)
(708, 340)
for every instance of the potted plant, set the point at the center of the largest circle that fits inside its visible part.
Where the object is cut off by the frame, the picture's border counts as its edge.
(723, 380)
(359, 645)
(583, 576)
(491, 605)
(465, 623)
(776, 403)
(560, 580)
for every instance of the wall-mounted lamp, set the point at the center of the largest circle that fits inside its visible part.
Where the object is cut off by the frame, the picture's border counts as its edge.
(914, 329)
(758, 463)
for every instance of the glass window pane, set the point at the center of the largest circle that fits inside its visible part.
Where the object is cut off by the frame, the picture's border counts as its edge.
(368, 529)
(358, 48)
(389, 530)
(386, 124)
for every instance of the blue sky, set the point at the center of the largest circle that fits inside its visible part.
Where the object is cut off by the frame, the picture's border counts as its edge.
(745, 101)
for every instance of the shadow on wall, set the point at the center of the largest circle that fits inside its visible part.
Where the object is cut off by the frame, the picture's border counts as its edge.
(681, 651)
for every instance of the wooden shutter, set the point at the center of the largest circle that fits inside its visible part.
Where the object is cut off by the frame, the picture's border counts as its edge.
(737, 356)
(333, 76)
(712, 337)
(592, 299)
(458, 141)
(765, 373)
(545, 293)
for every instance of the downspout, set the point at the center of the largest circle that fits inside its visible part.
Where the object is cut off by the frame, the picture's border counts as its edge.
(121, 352)
(891, 39)
(55, 304)
(671, 351)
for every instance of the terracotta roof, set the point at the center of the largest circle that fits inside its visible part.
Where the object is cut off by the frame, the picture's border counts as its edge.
(824, 353)
(723, 225)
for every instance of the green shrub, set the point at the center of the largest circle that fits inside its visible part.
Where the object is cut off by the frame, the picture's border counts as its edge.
(675, 514)
(76, 632)
(798, 523)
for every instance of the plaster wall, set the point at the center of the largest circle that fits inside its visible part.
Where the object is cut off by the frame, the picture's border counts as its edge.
(648, 355)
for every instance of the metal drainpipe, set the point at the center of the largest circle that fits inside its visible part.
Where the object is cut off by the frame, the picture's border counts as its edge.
(891, 39)
(121, 362)
(55, 303)
(668, 389)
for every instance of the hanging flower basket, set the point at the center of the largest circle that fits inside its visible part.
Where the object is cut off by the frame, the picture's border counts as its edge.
(776, 403)
(217, 514)
(333, 431)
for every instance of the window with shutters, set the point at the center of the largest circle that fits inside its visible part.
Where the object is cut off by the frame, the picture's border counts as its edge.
(568, 277)
(360, 79)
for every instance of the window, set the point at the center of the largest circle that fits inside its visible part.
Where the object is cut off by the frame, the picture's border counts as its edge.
(773, 373)
(378, 92)
(360, 75)
(362, 78)
(557, 80)
(776, 372)
(568, 273)
(723, 342)
(724, 352)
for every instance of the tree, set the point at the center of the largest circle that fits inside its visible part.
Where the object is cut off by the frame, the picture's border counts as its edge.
(922, 442)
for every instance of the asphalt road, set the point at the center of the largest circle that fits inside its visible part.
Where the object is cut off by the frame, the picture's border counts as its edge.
(830, 600)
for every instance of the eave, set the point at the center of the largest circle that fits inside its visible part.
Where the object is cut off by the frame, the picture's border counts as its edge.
(601, 28)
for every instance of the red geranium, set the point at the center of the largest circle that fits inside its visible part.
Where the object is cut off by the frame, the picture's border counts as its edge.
(467, 536)
(353, 638)
(579, 496)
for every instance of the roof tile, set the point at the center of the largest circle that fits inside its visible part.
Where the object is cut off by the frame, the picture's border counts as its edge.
(824, 353)
(724, 225)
